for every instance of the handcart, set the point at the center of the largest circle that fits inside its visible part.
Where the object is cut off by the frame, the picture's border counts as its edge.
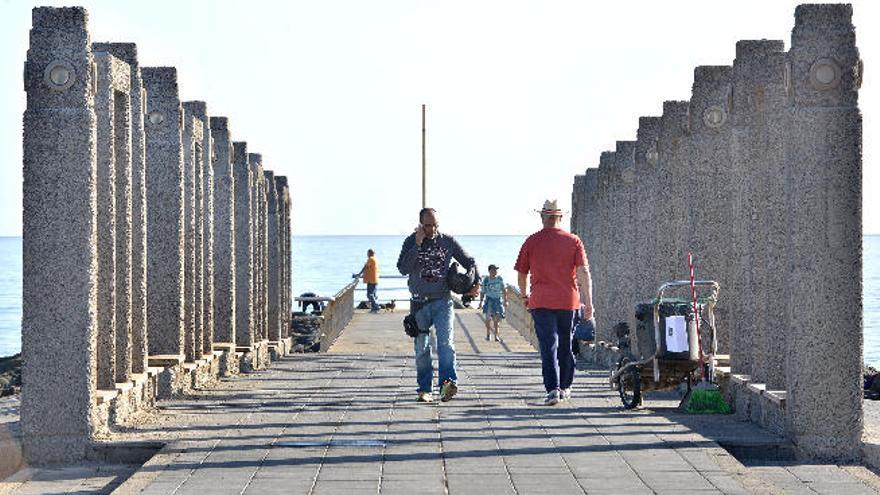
(666, 349)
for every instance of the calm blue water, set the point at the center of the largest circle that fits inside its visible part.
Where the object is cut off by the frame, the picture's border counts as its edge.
(324, 264)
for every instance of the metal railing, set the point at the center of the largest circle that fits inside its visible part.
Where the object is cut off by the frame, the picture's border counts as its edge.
(383, 288)
(336, 315)
(518, 315)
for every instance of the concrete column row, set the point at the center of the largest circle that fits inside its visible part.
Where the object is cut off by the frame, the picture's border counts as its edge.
(759, 176)
(156, 252)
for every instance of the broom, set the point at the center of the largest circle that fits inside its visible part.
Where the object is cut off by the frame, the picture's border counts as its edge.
(705, 398)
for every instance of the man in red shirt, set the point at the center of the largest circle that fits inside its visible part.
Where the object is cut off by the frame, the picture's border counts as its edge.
(560, 285)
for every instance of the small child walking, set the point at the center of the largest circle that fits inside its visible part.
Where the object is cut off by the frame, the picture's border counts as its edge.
(491, 300)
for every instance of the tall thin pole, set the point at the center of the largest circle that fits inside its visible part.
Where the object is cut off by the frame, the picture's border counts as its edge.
(424, 201)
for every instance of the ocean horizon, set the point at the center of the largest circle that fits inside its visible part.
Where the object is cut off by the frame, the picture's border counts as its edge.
(324, 264)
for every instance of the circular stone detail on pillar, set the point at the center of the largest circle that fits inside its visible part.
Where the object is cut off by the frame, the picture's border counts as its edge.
(714, 117)
(156, 117)
(824, 74)
(59, 75)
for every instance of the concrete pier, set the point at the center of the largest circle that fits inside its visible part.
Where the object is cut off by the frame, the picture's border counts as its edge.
(244, 249)
(224, 233)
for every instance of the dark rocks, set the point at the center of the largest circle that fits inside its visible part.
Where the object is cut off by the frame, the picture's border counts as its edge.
(10, 375)
(305, 329)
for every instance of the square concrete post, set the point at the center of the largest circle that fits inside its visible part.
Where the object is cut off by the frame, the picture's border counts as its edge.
(193, 135)
(823, 168)
(224, 233)
(757, 339)
(623, 272)
(672, 177)
(602, 281)
(104, 112)
(204, 231)
(284, 245)
(165, 212)
(244, 249)
(645, 206)
(127, 52)
(710, 198)
(589, 214)
(256, 165)
(577, 190)
(113, 111)
(274, 259)
(59, 241)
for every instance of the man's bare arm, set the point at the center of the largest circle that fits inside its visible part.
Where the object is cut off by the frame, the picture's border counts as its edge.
(521, 280)
(585, 286)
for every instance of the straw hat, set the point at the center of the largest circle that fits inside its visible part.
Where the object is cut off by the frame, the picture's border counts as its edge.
(550, 208)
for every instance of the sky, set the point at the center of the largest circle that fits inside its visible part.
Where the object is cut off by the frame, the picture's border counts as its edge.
(521, 96)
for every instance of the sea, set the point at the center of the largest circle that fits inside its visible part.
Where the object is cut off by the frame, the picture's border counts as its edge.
(325, 264)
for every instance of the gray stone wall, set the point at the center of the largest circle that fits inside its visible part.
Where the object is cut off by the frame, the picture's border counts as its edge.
(759, 176)
(273, 265)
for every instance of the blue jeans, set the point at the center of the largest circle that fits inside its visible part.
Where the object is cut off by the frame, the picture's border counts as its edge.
(371, 296)
(440, 314)
(554, 328)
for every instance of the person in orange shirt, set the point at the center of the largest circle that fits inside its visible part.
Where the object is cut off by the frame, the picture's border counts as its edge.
(370, 272)
(560, 285)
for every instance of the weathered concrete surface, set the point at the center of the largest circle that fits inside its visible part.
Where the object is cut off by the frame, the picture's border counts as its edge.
(112, 112)
(165, 212)
(603, 283)
(273, 266)
(824, 197)
(672, 176)
(284, 211)
(127, 52)
(244, 248)
(646, 206)
(193, 134)
(759, 211)
(710, 195)
(224, 233)
(59, 245)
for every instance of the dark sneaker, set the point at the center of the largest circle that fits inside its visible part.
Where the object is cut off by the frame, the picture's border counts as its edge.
(448, 390)
(552, 398)
(425, 397)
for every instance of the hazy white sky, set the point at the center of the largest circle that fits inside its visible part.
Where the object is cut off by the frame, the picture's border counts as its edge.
(521, 95)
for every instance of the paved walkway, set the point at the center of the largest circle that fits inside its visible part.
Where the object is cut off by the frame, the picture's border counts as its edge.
(346, 422)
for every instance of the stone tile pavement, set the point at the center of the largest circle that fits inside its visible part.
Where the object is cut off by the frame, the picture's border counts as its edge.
(347, 422)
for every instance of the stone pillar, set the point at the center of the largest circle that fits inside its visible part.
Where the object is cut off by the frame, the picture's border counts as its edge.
(603, 284)
(255, 161)
(106, 187)
(192, 138)
(672, 176)
(626, 235)
(59, 250)
(283, 193)
(165, 210)
(757, 339)
(244, 249)
(204, 230)
(113, 111)
(274, 259)
(710, 197)
(645, 206)
(589, 214)
(577, 191)
(823, 172)
(224, 233)
(127, 52)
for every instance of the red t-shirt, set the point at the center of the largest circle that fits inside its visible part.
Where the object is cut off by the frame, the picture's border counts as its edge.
(552, 257)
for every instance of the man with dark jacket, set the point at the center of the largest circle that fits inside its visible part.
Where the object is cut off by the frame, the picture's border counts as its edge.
(425, 257)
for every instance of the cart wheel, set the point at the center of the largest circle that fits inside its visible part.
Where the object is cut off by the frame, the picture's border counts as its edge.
(629, 386)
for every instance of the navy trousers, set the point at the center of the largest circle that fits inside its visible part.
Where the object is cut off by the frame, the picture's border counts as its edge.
(555, 328)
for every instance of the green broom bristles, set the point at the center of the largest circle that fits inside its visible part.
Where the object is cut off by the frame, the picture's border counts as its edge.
(707, 401)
